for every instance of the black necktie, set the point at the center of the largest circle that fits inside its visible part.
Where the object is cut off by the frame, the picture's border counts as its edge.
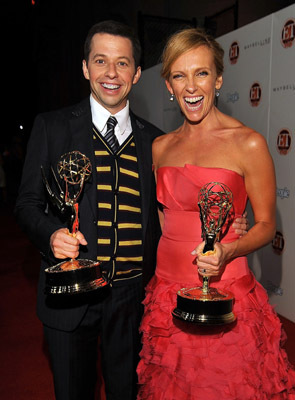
(110, 136)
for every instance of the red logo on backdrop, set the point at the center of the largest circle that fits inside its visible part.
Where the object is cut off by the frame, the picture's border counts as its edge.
(284, 142)
(255, 94)
(288, 33)
(278, 243)
(234, 52)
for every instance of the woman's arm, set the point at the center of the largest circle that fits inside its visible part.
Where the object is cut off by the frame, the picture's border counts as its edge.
(259, 175)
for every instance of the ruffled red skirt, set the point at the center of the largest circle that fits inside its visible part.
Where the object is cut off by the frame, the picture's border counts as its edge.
(245, 361)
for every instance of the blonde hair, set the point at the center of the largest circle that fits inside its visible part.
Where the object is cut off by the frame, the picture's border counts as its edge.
(188, 39)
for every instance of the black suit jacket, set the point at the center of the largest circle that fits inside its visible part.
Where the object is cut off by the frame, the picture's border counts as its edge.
(54, 134)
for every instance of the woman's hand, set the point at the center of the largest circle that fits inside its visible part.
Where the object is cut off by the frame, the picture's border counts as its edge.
(210, 264)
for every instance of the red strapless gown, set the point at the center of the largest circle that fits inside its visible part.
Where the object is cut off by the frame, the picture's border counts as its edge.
(181, 361)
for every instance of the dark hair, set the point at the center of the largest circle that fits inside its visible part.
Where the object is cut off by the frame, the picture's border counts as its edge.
(114, 28)
(188, 39)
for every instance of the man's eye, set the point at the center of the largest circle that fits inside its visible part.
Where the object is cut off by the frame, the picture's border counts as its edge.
(99, 61)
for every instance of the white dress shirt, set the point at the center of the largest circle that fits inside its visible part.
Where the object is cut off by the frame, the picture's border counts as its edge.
(100, 115)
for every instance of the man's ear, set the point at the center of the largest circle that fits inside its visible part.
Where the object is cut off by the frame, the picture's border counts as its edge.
(137, 75)
(85, 69)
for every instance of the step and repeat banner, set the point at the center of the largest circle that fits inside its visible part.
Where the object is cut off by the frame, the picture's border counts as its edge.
(259, 90)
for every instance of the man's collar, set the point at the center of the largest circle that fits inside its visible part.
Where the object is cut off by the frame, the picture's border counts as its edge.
(100, 115)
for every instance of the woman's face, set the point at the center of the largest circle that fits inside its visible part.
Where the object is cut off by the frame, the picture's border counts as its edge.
(193, 80)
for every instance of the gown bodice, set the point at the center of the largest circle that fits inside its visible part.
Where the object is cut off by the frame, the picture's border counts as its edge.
(178, 187)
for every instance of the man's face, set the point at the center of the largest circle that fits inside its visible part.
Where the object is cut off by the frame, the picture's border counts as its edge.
(111, 70)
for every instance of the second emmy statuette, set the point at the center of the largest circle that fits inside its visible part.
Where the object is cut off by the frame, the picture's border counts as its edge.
(76, 275)
(205, 305)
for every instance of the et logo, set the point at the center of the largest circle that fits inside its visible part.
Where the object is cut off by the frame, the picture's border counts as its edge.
(288, 34)
(278, 243)
(255, 94)
(234, 52)
(284, 142)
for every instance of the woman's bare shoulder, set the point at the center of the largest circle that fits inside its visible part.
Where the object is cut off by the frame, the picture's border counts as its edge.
(162, 145)
(243, 132)
(165, 139)
(250, 137)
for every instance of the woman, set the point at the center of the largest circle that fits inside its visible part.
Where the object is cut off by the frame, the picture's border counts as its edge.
(241, 361)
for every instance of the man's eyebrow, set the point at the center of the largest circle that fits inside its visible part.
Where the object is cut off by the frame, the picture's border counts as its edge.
(104, 55)
(124, 57)
(98, 55)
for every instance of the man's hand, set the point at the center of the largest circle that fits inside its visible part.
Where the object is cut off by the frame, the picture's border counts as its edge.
(241, 225)
(64, 245)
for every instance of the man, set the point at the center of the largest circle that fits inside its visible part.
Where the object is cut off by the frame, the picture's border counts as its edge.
(118, 220)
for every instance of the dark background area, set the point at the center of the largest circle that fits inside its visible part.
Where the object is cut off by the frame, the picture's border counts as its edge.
(42, 43)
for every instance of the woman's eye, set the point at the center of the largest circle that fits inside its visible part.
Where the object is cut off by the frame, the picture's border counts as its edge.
(177, 76)
(203, 73)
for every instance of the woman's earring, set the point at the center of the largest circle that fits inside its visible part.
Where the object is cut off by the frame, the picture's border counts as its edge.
(217, 93)
(172, 97)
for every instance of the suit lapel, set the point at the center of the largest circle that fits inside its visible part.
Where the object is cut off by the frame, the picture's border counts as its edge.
(144, 160)
(81, 133)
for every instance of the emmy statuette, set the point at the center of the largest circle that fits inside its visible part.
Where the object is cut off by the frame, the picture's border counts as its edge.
(75, 275)
(205, 305)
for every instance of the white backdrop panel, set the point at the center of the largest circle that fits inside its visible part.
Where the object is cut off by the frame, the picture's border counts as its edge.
(252, 66)
(282, 118)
